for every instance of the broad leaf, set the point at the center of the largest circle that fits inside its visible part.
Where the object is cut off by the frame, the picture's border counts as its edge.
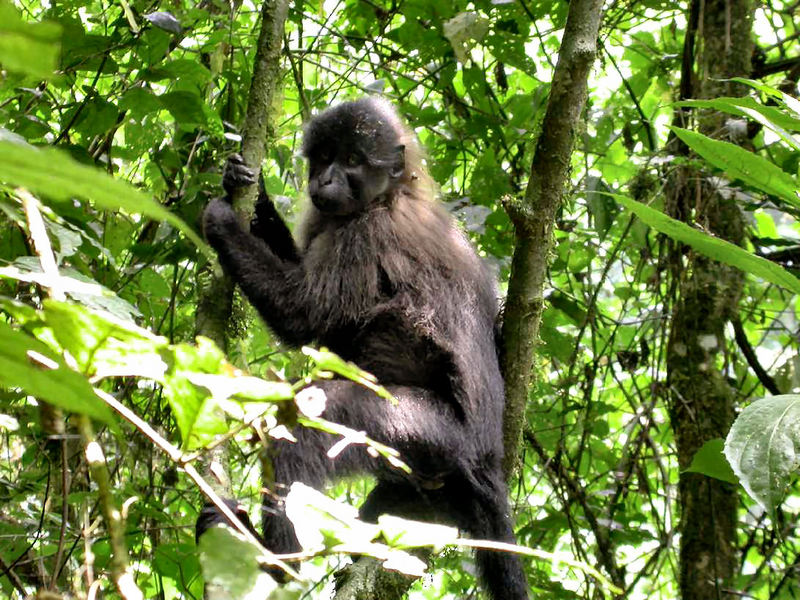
(196, 412)
(789, 102)
(710, 246)
(231, 566)
(28, 364)
(741, 164)
(55, 175)
(773, 118)
(30, 48)
(763, 447)
(710, 461)
(104, 346)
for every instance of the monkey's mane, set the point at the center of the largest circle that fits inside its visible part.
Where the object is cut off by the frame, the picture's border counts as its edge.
(408, 238)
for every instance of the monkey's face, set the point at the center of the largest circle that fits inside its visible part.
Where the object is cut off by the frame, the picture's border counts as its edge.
(356, 156)
(347, 178)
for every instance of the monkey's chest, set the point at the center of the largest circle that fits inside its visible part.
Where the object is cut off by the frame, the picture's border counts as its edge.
(389, 346)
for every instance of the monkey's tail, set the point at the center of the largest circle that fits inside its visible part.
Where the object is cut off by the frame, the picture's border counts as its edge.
(501, 572)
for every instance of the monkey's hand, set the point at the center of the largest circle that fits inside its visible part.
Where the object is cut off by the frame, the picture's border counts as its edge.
(219, 221)
(211, 516)
(236, 174)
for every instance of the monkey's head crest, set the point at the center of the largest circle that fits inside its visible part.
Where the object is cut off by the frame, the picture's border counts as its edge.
(370, 123)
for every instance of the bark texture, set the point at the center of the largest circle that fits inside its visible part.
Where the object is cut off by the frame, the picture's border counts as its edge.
(366, 579)
(533, 218)
(216, 293)
(701, 401)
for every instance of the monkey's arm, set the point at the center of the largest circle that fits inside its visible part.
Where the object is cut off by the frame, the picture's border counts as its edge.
(267, 224)
(273, 285)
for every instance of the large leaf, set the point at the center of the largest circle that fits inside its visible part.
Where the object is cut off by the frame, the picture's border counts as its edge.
(741, 164)
(30, 48)
(28, 364)
(231, 566)
(787, 101)
(763, 447)
(710, 246)
(57, 176)
(196, 411)
(710, 461)
(773, 118)
(77, 286)
(105, 346)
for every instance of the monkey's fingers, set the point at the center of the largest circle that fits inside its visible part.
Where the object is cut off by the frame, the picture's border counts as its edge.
(237, 174)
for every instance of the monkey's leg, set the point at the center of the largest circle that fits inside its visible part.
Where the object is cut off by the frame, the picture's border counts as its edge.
(420, 426)
(480, 507)
(399, 498)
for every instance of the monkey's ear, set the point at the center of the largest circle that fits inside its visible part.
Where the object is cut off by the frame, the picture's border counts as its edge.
(399, 163)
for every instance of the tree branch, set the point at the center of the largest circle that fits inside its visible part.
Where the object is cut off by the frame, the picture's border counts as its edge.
(751, 358)
(534, 217)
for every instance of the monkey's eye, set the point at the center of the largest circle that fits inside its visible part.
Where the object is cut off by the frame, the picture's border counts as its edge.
(325, 155)
(353, 159)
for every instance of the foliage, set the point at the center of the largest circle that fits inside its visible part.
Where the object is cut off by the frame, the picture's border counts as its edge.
(762, 447)
(118, 118)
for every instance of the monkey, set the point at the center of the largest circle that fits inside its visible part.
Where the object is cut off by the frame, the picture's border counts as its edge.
(382, 276)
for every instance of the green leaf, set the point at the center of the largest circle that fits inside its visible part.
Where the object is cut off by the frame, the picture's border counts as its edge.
(28, 364)
(763, 447)
(104, 346)
(77, 286)
(29, 48)
(463, 30)
(196, 412)
(710, 246)
(741, 164)
(405, 533)
(55, 175)
(778, 121)
(789, 102)
(186, 107)
(322, 523)
(231, 563)
(710, 461)
(329, 361)
(179, 562)
(244, 387)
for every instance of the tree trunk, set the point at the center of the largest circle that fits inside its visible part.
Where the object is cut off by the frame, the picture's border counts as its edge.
(701, 399)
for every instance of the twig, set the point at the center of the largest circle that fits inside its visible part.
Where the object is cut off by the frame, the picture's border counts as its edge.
(178, 457)
(62, 536)
(6, 569)
(578, 494)
(751, 358)
(120, 571)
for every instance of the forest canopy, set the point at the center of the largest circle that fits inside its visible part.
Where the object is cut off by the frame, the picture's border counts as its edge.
(629, 171)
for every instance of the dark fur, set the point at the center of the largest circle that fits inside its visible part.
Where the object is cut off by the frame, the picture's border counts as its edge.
(386, 280)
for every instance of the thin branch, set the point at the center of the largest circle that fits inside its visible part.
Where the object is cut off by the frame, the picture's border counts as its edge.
(751, 358)
(120, 569)
(181, 460)
(651, 145)
(577, 494)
